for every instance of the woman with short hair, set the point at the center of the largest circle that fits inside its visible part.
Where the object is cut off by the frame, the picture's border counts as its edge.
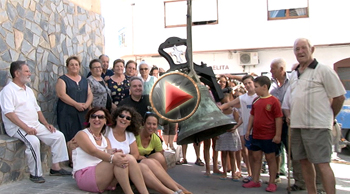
(101, 93)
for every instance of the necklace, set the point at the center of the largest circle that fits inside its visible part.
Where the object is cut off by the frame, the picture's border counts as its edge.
(95, 137)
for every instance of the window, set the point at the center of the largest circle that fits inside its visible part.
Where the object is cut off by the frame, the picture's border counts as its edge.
(121, 38)
(287, 9)
(203, 12)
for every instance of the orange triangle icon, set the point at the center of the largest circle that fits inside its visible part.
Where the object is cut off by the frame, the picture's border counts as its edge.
(174, 97)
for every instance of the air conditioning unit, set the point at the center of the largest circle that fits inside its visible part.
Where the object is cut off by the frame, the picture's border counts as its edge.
(248, 58)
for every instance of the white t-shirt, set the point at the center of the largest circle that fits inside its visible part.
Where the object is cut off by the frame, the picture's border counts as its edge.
(246, 106)
(81, 159)
(23, 103)
(125, 145)
(311, 95)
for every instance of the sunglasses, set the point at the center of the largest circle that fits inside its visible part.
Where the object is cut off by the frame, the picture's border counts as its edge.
(93, 116)
(143, 69)
(124, 116)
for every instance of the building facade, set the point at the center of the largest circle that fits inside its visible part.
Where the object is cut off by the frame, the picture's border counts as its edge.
(235, 36)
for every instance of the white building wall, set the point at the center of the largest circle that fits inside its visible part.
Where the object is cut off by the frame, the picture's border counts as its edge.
(243, 26)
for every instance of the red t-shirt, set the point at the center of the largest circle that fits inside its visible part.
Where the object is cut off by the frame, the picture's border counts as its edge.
(265, 111)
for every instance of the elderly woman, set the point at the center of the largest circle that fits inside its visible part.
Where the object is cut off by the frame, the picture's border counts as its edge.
(100, 91)
(122, 136)
(74, 99)
(118, 84)
(148, 80)
(97, 167)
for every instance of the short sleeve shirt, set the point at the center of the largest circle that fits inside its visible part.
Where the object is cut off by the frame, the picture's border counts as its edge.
(154, 144)
(311, 94)
(125, 145)
(265, 111)
(20, 101)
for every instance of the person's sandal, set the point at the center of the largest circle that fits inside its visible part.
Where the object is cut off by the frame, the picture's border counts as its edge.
(295, 188)
(247, 179)
(199, 162)
(183, 161)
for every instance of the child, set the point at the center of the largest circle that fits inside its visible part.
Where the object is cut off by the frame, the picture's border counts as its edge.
(245, 101)
(267, 125)
(237, 115)
(228, 143)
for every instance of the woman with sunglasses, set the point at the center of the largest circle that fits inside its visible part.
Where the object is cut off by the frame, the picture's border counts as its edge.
(97, 167)
(148, 80)
(126, 124)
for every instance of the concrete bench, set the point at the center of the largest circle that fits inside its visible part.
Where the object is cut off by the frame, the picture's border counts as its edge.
(13, 165)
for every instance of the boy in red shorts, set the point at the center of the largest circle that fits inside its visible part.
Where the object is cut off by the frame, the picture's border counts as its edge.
(266, 121)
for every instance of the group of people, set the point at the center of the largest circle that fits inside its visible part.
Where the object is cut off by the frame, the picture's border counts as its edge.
(306, 100)
(104, 150)
(111, 137)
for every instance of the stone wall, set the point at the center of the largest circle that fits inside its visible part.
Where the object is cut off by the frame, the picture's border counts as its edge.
(13, 165)
(45, 33)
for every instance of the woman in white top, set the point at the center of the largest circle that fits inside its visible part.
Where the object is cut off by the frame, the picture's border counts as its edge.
(126, 124)
(97, 167)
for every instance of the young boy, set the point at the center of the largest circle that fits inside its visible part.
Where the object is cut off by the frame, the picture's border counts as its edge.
(245, 101)
(267, 128)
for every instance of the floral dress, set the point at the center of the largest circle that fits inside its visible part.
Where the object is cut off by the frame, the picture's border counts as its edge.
(119, 91)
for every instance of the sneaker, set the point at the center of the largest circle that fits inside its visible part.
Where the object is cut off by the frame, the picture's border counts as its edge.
(271, 188)
(251, 184)
(37, 179)
(60, 172)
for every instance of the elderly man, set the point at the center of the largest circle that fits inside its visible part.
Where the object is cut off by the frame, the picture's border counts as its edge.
(317, 96)
(279, 85)
(24, 120)
(140, 102)
(106, 73)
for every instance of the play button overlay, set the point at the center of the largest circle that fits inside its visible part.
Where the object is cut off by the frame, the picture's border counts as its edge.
(175, 97)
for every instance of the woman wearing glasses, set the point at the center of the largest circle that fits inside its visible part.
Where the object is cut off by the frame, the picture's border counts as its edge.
(126, 124)
(97, 167)
(101, 93)
(148, 80)
(118, 84)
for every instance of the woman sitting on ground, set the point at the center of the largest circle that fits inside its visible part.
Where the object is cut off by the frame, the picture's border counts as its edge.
(126, 123)
(148, 142)
(97, 167)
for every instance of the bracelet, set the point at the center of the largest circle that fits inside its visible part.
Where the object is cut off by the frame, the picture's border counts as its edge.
(111, 159)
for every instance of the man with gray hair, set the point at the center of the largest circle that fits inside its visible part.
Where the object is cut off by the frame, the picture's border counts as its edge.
(24, 120)
(317, 96)
(279, 85)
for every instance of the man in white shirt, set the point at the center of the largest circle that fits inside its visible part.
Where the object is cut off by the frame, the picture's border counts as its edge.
(24, 120)
(317, 96)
